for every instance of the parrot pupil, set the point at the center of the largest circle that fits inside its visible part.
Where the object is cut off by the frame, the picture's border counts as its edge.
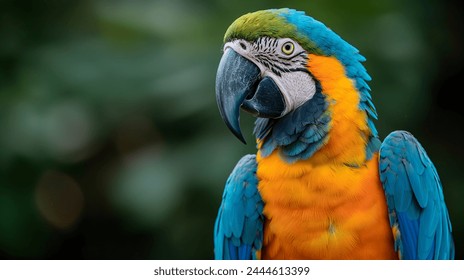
(288, 48)
(243, 46)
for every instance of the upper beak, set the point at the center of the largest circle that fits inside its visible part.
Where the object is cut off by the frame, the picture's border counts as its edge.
(239, 85)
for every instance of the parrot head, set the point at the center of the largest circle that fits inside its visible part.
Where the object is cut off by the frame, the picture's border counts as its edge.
(265, 69)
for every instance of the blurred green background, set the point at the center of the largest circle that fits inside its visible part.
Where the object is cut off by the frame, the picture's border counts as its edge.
(111, 145)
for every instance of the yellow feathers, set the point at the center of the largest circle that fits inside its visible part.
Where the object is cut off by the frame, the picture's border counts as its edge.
(321, 207)
(349, 125)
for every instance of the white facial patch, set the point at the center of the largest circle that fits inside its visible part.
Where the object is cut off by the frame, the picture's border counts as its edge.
(296, 87)
(283, 60)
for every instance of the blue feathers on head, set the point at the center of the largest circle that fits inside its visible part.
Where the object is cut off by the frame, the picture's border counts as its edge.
(302, 132)
(333, 45)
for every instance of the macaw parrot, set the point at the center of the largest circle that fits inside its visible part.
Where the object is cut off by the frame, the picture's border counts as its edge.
(322, 185)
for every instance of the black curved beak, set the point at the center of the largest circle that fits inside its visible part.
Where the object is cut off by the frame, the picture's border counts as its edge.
(239, 85)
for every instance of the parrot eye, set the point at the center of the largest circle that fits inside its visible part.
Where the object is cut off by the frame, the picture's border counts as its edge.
(288, 48)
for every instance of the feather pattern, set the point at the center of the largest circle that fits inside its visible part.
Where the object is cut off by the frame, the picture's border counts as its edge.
(341, 107)
(415, 199)
(331, 44)
(238, 230)
(299, 134)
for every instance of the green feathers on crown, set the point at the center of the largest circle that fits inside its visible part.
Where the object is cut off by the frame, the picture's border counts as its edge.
(267, 23)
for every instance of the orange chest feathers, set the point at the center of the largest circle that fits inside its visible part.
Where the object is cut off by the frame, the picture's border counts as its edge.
(322, 211)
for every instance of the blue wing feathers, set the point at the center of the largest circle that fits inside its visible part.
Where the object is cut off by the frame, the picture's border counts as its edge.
(244, 252)
(239, 224)
(410, 228)
(415, 199)
(416, 183)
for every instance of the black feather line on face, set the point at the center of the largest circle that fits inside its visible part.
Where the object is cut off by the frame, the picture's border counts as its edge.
(265, 52)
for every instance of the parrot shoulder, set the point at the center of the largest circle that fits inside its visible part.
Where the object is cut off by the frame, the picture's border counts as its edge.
(417, 210)
(238, 232)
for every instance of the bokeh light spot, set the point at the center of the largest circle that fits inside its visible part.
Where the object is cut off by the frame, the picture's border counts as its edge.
(59, 199)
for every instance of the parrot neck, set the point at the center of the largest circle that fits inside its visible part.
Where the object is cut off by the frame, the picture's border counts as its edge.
(337, 121)
(298, 134)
